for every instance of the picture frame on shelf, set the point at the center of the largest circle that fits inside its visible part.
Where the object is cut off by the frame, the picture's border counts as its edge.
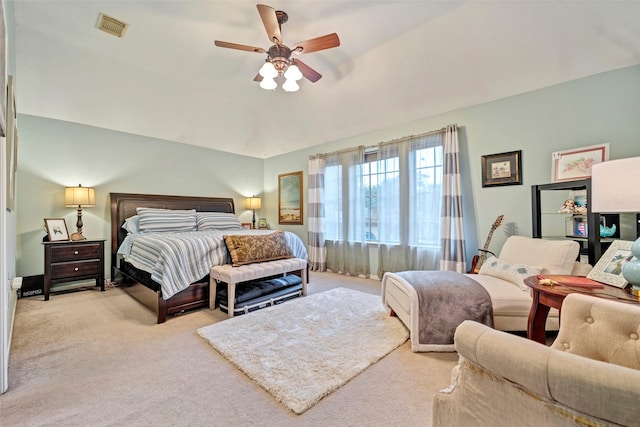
(608, 269)
(56, 229)
(574, 164)
(290, 198)
(502, 169)
(263, 224)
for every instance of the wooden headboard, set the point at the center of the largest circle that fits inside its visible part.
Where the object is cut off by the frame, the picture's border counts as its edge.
(123, 206)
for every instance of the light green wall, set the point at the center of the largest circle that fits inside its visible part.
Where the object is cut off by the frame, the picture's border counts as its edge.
(54, 154)
(593, 110)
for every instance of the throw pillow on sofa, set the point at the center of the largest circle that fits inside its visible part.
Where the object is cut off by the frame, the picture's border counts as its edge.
(511, 272)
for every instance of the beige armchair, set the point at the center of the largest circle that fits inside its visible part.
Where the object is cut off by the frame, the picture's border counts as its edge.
(589, 376)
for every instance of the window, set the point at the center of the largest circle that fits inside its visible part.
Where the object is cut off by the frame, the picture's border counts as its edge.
(395, 190)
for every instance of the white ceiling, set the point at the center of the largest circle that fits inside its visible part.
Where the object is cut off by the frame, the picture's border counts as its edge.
(398, 61)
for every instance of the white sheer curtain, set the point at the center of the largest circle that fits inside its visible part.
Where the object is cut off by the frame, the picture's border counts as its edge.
(409, 199)
(344, 213)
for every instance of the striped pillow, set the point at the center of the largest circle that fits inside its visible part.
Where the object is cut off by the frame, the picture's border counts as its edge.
(217, 221)
(157, 220)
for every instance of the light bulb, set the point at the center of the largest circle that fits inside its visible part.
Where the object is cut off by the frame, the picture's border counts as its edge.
(290, 86)
(293, 72)
(268, 71)
(268, 83)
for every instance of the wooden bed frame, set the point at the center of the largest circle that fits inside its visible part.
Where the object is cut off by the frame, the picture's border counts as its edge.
(123, 206)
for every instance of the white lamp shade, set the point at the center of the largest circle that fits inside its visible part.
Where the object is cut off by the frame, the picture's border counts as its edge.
(293, 72)
(615, 186)
(254, 203)
(79, 196)
(268, 71)
(268, 83)
(290, 86)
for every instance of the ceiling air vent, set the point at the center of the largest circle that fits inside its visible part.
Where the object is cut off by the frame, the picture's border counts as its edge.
(111, 25)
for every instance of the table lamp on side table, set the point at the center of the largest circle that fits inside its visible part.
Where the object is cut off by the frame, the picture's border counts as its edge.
(615, 188)
(254, 203)
(80, 197)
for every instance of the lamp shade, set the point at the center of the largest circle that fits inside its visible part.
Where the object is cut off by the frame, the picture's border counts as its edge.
(254, 203)
(615, 186)
(79, 196)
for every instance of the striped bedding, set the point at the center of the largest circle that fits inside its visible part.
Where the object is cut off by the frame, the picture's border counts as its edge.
(175, 260)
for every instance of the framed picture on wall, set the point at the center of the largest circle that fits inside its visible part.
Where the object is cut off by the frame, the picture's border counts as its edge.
(570, 165)
(290, 198)
(502, 169)
(56, 229)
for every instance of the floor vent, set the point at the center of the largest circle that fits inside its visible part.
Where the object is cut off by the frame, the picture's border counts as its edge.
(111, 25)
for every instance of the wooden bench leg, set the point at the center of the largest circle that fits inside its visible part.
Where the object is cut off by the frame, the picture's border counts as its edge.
(304, 282)
(231, 297)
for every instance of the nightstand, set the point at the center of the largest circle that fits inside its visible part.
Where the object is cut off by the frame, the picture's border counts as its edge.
(71, 261)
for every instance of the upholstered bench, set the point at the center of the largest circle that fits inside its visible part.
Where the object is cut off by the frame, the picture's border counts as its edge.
(245, 273)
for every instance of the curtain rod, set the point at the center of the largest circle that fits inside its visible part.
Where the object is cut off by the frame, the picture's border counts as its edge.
(404, 138)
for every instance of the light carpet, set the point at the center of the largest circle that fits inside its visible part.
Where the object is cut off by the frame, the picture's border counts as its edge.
(304, 349)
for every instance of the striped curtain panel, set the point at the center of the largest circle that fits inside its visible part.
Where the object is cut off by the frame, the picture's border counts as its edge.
(317, 249)
(453, 254)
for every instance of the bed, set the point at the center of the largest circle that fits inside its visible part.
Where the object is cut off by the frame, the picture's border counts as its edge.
(140, 284)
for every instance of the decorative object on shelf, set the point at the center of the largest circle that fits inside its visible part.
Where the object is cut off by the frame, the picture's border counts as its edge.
(615, 189)
(568, 206)
(570, 165)
(607, 231)
(609, 267)
(502, 169)
(263, 224)
(56, 229)
(246, 225)
(290, 198)
(80, 197)
(254, 203)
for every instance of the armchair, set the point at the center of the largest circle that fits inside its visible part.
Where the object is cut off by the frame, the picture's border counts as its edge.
(589, 376)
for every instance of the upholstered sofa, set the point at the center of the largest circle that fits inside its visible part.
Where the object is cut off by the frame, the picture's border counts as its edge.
(502, 277)
(590, 376)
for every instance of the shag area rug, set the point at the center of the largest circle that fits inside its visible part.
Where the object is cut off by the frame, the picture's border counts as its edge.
(304, 349)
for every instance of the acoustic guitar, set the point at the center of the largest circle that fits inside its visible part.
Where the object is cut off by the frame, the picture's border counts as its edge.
(479, 259)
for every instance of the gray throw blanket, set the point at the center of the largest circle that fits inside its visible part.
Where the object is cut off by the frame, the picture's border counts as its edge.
(445, 300)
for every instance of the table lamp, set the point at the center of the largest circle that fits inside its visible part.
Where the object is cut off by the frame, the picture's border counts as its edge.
(254, 203)
(80, 197)
(615, 188)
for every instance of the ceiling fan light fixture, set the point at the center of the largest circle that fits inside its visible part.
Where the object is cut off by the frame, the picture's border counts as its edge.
(290, 85)
(268, 71)
(268, 83)
(293, 73)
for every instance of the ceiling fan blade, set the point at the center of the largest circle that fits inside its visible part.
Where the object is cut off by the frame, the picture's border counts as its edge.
(319, 43)
(239, 46)
(270, 22)
(308, 72)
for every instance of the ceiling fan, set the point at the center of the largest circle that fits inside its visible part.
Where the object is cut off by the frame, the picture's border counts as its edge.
(279, 61)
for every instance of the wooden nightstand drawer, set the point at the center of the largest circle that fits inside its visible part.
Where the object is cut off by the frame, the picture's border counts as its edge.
(76, 252)
(71, 269)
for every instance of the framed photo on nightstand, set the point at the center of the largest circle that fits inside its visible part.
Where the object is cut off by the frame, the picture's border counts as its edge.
(56, 229)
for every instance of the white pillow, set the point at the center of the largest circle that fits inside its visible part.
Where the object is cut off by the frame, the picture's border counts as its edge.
(132, 224)
(513, 273)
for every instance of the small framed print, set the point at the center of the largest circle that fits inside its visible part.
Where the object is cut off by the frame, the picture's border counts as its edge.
(262, 224)
(56, 229)
(571, 165)
(502, 169)
(609, 267)
(246, 225)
